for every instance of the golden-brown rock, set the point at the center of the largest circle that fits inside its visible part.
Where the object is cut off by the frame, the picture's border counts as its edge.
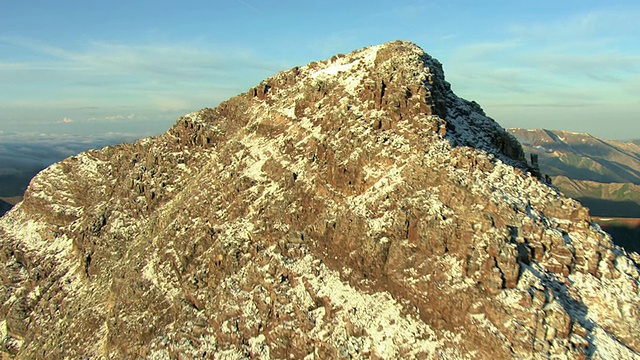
(350, 208)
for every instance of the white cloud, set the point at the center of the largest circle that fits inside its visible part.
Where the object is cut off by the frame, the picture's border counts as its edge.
(586, 26)
(119, 117)
(129, 70)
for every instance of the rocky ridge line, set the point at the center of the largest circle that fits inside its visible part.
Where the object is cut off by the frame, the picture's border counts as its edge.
(353, 207)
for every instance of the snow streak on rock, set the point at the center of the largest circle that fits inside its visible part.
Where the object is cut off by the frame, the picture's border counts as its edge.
(350, 208)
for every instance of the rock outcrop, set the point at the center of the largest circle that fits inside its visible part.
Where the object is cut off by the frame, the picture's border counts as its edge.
(350, 208)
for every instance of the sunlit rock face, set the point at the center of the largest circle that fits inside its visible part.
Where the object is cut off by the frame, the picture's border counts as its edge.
(350, 208)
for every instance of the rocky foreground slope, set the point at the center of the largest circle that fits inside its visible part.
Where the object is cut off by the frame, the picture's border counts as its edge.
(350, 208)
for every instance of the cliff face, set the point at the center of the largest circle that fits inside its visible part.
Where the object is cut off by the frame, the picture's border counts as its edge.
(353, 207)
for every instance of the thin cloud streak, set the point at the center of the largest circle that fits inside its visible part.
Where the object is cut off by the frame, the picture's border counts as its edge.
(550, 60)
(163, 59)
(166, 78)
(485, 50)
(249, 6)
(606, 63)
(580, 26)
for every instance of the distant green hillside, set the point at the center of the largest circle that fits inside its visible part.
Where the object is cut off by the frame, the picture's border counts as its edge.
(603, 174)
(593, 189)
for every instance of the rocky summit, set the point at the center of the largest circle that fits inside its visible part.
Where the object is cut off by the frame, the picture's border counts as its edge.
(350, 208)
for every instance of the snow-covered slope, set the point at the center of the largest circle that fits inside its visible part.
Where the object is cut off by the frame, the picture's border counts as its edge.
(353, 207)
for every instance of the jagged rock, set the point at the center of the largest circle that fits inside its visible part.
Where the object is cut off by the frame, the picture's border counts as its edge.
(354, 207)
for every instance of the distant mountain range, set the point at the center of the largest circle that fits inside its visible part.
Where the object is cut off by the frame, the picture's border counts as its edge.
(603, 174)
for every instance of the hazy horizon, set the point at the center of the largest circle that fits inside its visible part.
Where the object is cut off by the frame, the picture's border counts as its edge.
(87, 69)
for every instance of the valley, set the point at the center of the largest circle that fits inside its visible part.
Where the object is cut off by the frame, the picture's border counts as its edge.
(604, 175)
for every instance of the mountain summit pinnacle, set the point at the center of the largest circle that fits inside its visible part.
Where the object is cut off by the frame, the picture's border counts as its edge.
(350, 208)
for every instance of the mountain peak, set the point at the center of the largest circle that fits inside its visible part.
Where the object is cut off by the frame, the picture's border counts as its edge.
(391, 84)
(334, 210)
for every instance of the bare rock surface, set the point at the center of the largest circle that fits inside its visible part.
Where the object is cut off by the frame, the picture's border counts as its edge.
(349, 208)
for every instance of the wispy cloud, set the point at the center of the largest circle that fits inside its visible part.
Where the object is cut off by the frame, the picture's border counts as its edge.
(173, 59)
(596, 24)
(119, 117)
(601, 67)
(36, 46)
(98, 78)
(248, 6)
(570, 61)
(483, 51)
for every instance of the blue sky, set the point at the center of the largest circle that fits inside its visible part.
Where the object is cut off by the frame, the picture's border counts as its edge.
(84, 68)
